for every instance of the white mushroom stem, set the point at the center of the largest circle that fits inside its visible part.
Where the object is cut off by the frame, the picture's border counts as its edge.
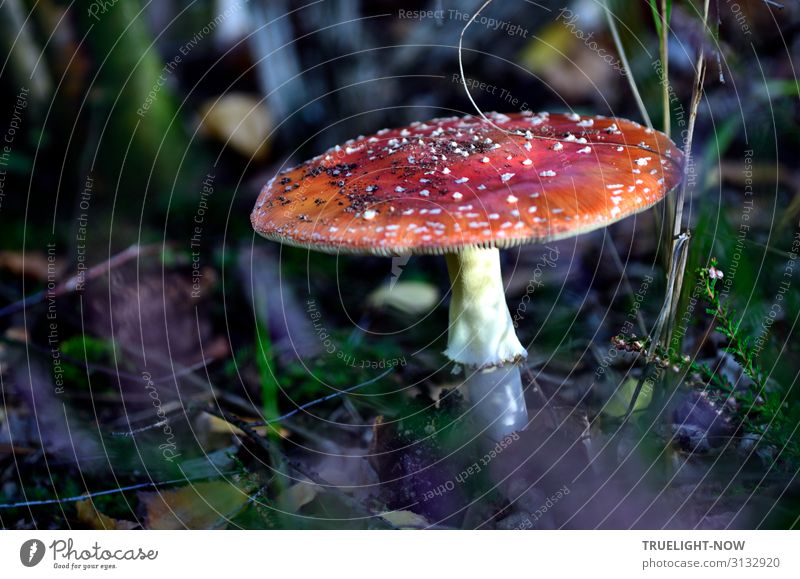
(482, 339)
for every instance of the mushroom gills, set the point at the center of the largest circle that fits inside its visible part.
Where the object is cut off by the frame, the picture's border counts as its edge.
(481, 338)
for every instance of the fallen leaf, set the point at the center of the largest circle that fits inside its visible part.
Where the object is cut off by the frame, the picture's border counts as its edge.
(409, 297)
(405, 520)
(296, 496)
(617, 405)
(89, 515)
(33, 265)
(205, 505)
(240, 121)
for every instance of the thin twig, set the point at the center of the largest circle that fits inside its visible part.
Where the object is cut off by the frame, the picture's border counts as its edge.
(77, 281)
(663, 49)
(281, 418)
(678, 257)
(152, 484)
(321, 400)
(100, 369)
(677, 268)
(624, 58)
(697, 94)
(461, 66)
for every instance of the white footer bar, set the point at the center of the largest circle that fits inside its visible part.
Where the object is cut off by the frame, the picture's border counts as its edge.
(387, 554)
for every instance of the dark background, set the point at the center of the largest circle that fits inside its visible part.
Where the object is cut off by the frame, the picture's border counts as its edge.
(138, 136)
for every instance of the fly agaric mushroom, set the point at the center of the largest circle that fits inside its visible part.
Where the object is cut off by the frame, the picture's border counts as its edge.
(465, 188)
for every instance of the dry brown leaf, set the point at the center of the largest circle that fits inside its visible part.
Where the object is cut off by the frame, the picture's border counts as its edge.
(205, 505)
(89, 515)
(33, 265)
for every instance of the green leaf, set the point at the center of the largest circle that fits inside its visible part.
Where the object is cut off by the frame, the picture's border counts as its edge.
(266, 371)
(656, 16)
(617, 405)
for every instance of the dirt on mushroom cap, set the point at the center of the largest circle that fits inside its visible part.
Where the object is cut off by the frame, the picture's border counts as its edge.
(447, 184)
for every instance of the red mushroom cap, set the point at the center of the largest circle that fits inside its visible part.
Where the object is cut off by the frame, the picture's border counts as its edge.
(448, 184)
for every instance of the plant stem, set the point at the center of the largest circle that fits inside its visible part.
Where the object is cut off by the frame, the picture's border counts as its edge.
(664, 50)
(676, 268)
(612, 26)
(481, 337)
(497, 400)
(481, 333)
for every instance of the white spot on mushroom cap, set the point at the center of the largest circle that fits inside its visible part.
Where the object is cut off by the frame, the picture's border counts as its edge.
(369, 214)
(511, 199)
(547, 173)
(506, 176)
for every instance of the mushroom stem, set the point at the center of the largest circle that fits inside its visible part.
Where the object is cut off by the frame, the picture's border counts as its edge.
(482, 338)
